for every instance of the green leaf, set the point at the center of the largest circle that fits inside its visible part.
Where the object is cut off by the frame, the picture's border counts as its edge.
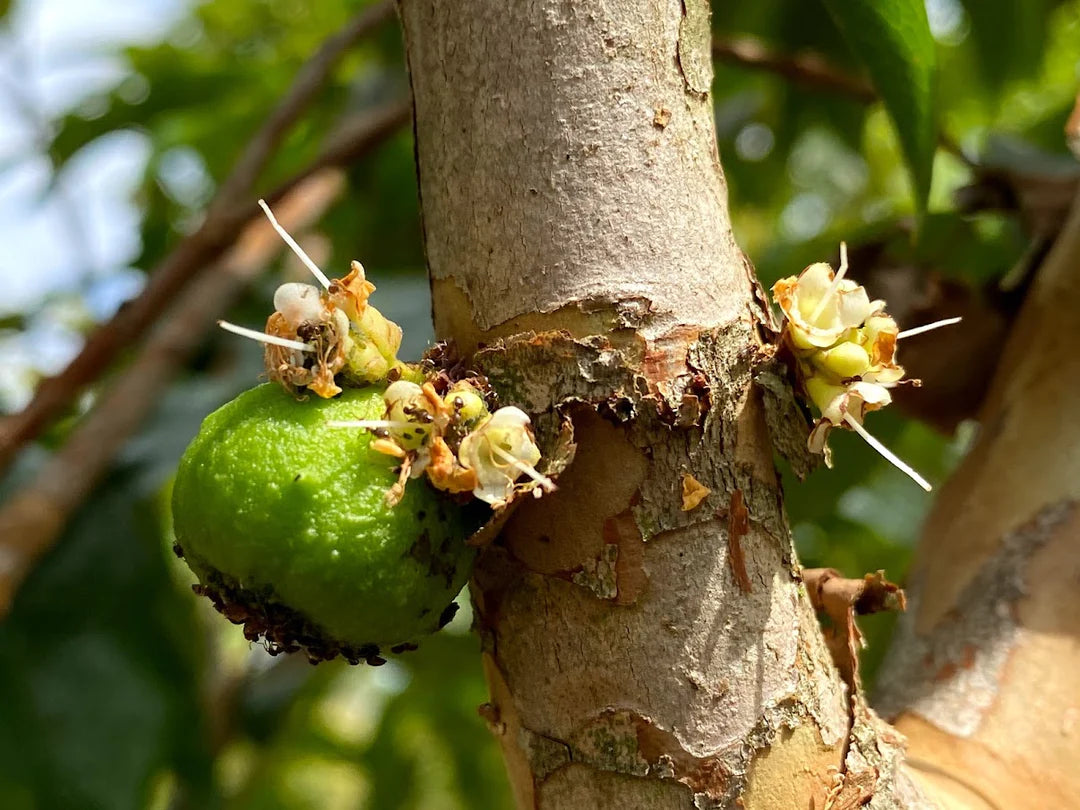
(1009, 37)
(100, 662)
(893, 40)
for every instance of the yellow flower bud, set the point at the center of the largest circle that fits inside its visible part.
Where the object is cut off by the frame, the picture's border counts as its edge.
(465, 402)
(822, 392)
(845, 360)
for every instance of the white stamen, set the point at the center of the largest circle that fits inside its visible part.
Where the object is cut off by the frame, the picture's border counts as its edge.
(262, 337)
(542, 480)
(886, 453)
(832, 287)
(299, 251)
(918, 330)
(375, 424)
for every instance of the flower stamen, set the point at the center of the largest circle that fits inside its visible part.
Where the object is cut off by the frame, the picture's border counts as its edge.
(832, 287)
(546, 483)
(373, 424)
(918, 330)
(294, 245)
(886, 453)
(262, 337)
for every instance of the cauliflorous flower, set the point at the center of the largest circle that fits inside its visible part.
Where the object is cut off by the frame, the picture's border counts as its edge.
(316, 334)
(843, 347)
(500, 450)
(821, 306)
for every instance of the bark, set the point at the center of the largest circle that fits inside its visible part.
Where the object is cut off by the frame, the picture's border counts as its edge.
(982, 676)
(639, 655)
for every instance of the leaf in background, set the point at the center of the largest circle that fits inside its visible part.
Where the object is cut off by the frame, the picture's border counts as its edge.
(99, 665)
(893, 40)
(1009, 39)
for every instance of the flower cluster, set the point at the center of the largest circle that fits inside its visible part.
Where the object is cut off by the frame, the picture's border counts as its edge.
(316, 335)
(316, 338)
(844, 350)
(456, 441)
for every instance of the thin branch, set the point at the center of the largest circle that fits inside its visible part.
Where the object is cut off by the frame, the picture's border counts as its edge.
(808, 69)
(813, 71)
(225, 219)
(309, 80)
(32, 519)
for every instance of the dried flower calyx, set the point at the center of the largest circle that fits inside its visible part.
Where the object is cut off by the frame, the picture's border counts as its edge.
(843, 348)
(318, 335)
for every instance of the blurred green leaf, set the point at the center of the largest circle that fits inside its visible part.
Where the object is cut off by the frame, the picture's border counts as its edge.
(101, 661)
(892, 38)
(1008, 37)
(431, 733)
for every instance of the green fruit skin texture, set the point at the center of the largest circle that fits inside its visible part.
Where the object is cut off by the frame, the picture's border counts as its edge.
(270, 495)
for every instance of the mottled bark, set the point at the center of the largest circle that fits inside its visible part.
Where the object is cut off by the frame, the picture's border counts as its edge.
(983, 674)
(577, 234)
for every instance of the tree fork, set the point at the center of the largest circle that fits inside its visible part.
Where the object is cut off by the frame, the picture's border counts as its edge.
(579, 245)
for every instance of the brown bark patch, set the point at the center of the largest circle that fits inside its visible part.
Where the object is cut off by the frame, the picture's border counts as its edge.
(630, 577)
(738, 528)
(665, 358)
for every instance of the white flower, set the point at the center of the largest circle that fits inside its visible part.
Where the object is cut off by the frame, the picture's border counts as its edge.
(500, 451)
(300, 303)
(821, 306)
(843, 347)
(848, 402)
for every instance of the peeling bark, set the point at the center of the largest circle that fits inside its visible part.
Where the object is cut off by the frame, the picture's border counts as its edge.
(577, 233)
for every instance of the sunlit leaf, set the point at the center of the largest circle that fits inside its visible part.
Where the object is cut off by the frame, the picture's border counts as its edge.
(892, 38)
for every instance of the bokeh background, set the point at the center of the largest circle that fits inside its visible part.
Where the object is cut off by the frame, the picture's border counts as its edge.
(118, 121)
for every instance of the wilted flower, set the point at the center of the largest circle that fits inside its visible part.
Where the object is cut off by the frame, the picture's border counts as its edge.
(454, 440)
(316, 334)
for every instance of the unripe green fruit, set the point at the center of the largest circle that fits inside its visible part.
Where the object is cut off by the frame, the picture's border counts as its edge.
(284, 520)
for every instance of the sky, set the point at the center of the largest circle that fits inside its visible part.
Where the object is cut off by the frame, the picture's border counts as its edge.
(80, 232)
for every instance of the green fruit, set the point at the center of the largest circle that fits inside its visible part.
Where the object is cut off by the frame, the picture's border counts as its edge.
(285, 522)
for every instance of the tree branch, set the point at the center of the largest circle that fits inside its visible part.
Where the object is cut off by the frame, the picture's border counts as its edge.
(812, 71)
(225, 218)
(593, 262)
(34, 517)
(309, 80)
(995, 606)
(808, 69)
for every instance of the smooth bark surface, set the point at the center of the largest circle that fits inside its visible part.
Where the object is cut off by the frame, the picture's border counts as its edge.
(576, 227)
(983, 674)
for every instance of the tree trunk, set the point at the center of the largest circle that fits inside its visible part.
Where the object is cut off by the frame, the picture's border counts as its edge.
(982, 676)
(639, 654)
